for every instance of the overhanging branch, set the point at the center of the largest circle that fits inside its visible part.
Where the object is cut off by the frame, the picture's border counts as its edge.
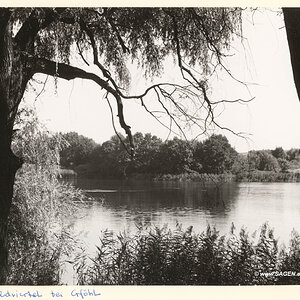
(61, 70)
(199, 86)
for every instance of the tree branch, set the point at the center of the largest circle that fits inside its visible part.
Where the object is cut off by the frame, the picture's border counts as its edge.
(81, 54)
(33, 24)
(105, 72)
(113, 124)
(61, 70)
(195, 91)
(114, 27)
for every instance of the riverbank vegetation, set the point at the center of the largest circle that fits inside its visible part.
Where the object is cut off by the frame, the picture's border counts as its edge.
(160, 256)
(177, 159)
(39, 237)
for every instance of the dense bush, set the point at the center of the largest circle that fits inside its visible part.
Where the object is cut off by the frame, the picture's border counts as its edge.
(38, 232)
(159, 256)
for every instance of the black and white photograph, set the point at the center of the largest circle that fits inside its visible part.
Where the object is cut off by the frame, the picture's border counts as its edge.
(149, 146)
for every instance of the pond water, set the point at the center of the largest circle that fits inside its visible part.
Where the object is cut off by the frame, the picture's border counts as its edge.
(120, 205)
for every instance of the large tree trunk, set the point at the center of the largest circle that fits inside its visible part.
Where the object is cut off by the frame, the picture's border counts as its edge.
(8, 167)
(292, 25)
(12, 85)
(6, 174)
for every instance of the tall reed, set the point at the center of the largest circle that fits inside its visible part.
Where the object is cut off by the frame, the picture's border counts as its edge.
(160, 256)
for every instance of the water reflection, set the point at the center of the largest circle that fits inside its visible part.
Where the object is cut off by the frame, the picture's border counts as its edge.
(127, 203)
(120, 205)
(159, 195)
(151, 203)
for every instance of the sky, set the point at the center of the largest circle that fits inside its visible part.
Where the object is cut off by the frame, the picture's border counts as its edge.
(262, 59)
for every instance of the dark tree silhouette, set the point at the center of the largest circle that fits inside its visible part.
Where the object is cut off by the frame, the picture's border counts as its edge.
(215, 155)
(40, 40)
(77, 150)
(292, 25)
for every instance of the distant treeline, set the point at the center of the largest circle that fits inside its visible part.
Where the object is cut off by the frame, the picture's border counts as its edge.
(155, 158)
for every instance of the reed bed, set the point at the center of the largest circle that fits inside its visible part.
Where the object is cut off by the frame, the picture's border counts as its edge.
(160, 256)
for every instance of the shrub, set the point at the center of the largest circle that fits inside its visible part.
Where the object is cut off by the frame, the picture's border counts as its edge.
(38, 233)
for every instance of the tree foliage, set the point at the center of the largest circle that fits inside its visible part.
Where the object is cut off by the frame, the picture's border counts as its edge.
(262, 165)
(241, 165)
(147, 149)
(267, 162)
(215, 154)
(174, 157)
(278, 152)
(109, 38)
(77, 150)
(155, 157)
(111, 158)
